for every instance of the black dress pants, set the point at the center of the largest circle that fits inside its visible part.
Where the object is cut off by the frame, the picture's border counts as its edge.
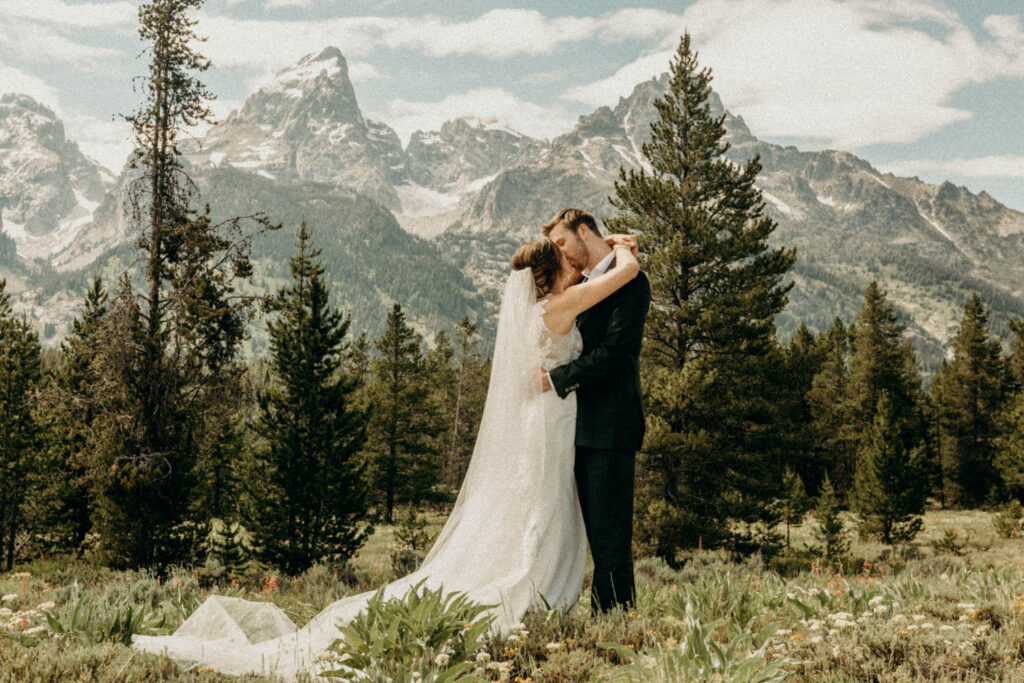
(605, 480)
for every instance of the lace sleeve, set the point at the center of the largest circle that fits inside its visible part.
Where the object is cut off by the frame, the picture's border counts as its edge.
(553, 349)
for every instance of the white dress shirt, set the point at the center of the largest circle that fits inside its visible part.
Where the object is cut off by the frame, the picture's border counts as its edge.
(601, 268)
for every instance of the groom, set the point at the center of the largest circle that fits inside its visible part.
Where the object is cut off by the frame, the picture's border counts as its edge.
(609, 418)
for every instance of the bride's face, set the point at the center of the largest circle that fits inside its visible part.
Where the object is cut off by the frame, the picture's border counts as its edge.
(568, 272)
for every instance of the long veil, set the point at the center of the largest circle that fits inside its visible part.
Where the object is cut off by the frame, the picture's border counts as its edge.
(486, 548)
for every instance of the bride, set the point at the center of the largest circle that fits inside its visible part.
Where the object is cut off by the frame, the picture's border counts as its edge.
(515, 535)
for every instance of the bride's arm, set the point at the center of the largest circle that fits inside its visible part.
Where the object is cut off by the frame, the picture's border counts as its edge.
(578, 298)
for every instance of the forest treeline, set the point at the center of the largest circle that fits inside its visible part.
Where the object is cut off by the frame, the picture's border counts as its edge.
(146, 441)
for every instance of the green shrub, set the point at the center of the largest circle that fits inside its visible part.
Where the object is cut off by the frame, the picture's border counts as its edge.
(426, 631)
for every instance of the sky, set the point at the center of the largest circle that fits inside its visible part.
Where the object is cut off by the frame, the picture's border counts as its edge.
(928, 88)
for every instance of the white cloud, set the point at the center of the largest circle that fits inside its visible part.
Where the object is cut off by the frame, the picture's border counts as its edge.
(999, 166)
(844, 73)
(13, 79)
(360, 72)
(39, 42)
(407, 116)
(79, 14)
(497, 34)
(107, 140)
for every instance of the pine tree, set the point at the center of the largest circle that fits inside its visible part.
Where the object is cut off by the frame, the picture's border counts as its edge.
(20, 373)
(889, 487)
(70, 412)
(471, 378)
(804, 358)
(169, 353)
(794, 503)
(829, 530)
(969, 393)
(315, 481)
(716, 286)
(834, 436)
(882, 361)
(404, 425)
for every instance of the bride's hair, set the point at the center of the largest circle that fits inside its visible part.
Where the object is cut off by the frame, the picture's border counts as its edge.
(543, 258)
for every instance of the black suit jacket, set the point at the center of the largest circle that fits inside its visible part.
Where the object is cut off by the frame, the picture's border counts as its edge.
(606, 376)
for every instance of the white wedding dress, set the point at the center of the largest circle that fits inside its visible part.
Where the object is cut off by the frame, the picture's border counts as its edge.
(515, 536)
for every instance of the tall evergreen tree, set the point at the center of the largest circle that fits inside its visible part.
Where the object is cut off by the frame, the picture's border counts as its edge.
(471, 378)
(889, 487)
(20, 372)
(716, 286)
(314, 483)
(170, 351)
(70, 413)
(403, 428)
(834, 437)
(882, 361)
(969, 392)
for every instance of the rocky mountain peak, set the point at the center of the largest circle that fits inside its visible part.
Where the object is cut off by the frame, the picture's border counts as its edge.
(48, 188)
(306, 95)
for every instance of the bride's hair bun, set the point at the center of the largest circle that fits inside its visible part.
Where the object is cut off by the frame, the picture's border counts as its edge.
(543, 258)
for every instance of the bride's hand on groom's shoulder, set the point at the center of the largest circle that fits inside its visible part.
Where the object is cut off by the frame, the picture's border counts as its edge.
(625, 240)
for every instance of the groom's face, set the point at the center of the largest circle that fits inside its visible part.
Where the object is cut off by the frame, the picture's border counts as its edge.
(571, 244)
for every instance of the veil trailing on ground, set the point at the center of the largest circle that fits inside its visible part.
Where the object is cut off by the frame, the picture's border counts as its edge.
(514, 538)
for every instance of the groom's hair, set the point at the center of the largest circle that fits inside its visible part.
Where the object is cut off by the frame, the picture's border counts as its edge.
(573, 219)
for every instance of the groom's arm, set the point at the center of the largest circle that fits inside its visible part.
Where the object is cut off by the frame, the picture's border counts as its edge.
(625, 333)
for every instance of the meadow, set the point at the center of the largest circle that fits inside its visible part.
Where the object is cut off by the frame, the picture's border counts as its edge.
(948, 608)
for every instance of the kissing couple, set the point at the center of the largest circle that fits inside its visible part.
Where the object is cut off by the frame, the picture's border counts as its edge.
(552, 470)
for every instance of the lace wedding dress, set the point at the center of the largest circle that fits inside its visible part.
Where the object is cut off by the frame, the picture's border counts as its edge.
(515, 534)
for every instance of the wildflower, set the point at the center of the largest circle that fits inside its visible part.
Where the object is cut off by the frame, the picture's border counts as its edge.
(797, 638)
(875, 600)
(912, 627)
(553, 646)
(520, 626)
(22, 575)
(880, 609)
(927, 625)
(981, 630)
(946, 627)
(844, 623)
(919, 617)
(514, 638)
(416, 677)
(966, 605)
(836, 651)
(904, 631)
(43, 606)
(671, 642)
(815, 640)
(9, 597)
(482, 657)
(442, 659)
(34, 630)
(841, 616)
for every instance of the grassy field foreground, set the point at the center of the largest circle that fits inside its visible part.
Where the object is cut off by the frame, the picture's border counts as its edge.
(952, 614)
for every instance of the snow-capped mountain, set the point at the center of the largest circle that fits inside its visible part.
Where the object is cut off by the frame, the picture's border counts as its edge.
(48, 188)
(306, 125)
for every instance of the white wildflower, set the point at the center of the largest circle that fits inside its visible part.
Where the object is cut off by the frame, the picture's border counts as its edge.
(815, 640)
(966, 605)
(43, 606)
(927, 625)
(880, 609)
(836, 651)
(833, 631)
(442, 659)
(946, 627)
(841, 616)
(919, 617)
(5, 612)
(514, 638)
(553, 646)
(981, 630)
(482, 658)
(844, 623)
(34, 630)
(875, 600)
(783, 632)
(520, 626)
(416, 677)
(912, 627)
(9, 597)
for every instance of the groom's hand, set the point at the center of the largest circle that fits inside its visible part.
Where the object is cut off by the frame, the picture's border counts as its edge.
(545, 381)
